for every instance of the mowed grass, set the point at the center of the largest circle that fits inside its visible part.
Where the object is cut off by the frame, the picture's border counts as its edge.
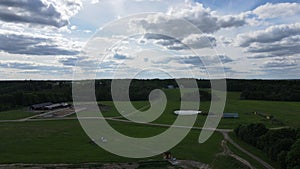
(287, 113)
(65, 142)
(15, 114)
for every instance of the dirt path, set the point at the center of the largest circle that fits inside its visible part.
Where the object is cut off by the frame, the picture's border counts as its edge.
(228, 152)
(265, 164)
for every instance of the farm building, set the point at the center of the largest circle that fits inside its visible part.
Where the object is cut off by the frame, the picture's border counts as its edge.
(186, 112)
(48, 106)
(56, 106)
(231, 115)
(40, 106)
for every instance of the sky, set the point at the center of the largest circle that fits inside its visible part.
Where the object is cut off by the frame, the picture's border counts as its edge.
(83, 39)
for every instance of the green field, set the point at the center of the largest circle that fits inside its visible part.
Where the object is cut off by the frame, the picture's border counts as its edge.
(64, 141)
(15, 114)
(287, 113)
(221, 162)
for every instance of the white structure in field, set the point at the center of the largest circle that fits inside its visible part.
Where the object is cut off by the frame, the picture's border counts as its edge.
(186, 112)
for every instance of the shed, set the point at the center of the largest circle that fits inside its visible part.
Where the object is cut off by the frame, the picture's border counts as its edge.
(231, 115)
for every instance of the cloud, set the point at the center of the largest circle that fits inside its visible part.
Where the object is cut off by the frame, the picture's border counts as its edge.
(280, 63)
(39, 12)
(68, 61)
(271, 34)
(94, 1)
(195, 41)
(30, 44)
(119, 56)
(278, 40)
(208, 60)
(31, 66)
(203, 18)
(286, 47)
(270, 10)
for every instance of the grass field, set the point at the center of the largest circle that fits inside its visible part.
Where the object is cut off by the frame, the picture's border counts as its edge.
(65, 142)
(288, 113)
(15, 114)
(221, 162)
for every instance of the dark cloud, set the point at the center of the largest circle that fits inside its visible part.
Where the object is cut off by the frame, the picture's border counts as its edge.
(119, 56)
(70, 61)
(276, 49)
(32, 45)
(83, 62)
(30, 66)
(37, 12)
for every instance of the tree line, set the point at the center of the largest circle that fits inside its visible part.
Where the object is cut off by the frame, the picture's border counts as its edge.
(282, 145)
(15, 94)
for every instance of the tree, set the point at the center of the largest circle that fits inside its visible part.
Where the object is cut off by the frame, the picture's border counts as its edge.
(293, 156)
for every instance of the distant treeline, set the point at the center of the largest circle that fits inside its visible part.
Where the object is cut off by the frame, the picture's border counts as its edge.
(273, 90)
(282, 145)
(14, 94)
(23, 93)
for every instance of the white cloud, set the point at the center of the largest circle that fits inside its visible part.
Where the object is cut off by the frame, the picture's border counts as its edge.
(203, 18)
(270, 10)
(198, 41)
(271, 34)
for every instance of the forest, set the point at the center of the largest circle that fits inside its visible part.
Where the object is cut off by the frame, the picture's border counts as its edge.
(282, 145)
